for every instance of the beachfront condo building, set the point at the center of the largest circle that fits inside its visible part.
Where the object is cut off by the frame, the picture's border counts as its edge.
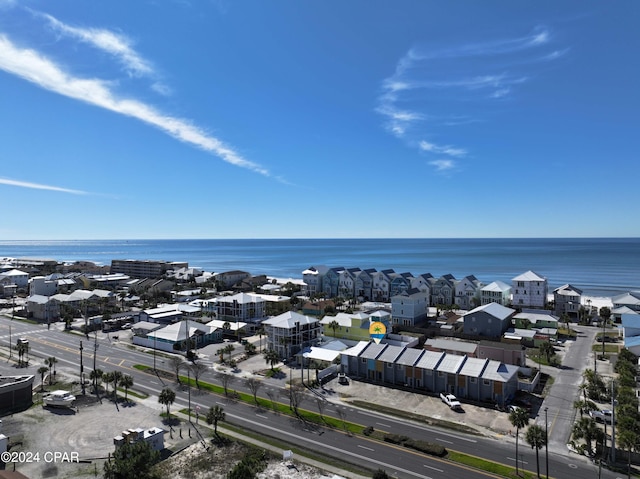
(567, 300)
(529, 290)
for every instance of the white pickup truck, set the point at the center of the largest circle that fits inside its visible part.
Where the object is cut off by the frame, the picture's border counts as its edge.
(451, 401)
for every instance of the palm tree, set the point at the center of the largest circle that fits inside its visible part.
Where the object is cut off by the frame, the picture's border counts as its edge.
(122, 295)
(586, 428)
(537, 439)
(22, 349)
(42, 370)
(584, 406)
(96, 376)
(260, 334)
(126, 382)
(166, 398)
(519, 418)
(271, 357)
(334, 325)
(107, 378)
(628, 440)
(215, 415)
(51, 362)
(546, 350)
(116, 377)
(229, 348)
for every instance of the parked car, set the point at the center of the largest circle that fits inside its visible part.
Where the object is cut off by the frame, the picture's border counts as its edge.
(451, 401)
(605, 415)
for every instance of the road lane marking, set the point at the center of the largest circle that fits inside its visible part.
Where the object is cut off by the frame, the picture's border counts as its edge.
(444, 440)
(520, 461)
(434, 468)
(365, 447)
(383, 425)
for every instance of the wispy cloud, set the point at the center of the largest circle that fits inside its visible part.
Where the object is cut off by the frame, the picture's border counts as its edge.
(38, 186)
(443, 165)
(432, 88)
(447, 150)
(116, 44)
(36, 68)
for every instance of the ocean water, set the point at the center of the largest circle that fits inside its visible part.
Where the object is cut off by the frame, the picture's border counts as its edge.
(600, 266)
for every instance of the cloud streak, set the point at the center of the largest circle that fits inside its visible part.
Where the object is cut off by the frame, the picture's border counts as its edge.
(432, 88)
(34, 67)
(38, 186)
(117, 45)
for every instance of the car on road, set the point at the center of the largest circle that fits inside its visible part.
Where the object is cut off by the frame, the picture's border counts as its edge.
(605, 415)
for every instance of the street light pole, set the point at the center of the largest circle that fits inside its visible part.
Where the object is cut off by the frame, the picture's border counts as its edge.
(546, 440)
(81, 369)
(13, 312)
(95, 352)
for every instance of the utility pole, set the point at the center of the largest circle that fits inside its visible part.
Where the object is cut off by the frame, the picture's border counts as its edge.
(13, 312)
(613, 422)
(95, 352)
(81, 369)
(546, 440)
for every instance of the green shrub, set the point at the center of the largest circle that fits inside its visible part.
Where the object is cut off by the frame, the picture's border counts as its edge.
(417, 445)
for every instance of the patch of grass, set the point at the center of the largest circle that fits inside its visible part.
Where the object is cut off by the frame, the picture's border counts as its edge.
(133, 393)
(489, 466)
(608, 348)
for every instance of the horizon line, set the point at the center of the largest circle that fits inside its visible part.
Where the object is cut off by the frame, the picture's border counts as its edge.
(321, 238)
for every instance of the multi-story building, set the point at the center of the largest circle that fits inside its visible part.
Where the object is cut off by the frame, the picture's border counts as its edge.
(290, 332)
(364, 284)
(409, 307)
(567, 300)
(477, 379)
(529, 290)
(331, 282)
(443, 290)
(490, 320)
(496, 292)
(243, 307)
(312, 279)
(347, 282)
(467, 292)
(382, 285)
(400, 282)
(144, 268)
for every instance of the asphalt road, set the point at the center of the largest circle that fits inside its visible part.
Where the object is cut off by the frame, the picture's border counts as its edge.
(400, 462)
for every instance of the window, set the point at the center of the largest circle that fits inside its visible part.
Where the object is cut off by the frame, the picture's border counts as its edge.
(389, 365)
(473, 380)
(364, 360)
(486, 382)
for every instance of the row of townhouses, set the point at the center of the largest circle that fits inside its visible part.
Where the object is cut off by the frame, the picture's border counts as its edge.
(527, 290)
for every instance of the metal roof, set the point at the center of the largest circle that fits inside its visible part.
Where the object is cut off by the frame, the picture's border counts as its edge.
(451, 363)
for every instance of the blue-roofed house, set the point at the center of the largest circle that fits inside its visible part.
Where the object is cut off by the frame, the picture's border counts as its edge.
(490, 320)
(631, 332)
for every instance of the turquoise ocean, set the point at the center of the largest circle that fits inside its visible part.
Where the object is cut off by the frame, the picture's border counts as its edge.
(599, 266)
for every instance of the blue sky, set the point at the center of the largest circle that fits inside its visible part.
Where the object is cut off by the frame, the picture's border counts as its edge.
(294, 119)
